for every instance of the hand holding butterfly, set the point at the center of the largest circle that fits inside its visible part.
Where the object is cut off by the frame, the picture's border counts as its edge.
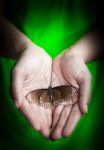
(34, 69)
(31, 71)
(69, 68)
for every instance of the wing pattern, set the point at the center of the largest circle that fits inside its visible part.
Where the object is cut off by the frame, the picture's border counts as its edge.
(54, 96)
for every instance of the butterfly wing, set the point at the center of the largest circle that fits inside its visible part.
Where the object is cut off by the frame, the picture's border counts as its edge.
(34, 96)
(64, 94)
(45, 99)
(39, 96)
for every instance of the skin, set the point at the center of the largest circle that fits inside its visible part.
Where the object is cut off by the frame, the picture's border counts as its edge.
(34, 70)
(31, 71)
(66, 117)
(69, 68)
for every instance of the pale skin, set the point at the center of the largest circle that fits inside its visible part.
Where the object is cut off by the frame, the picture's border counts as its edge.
(70, 68)
(34, 70)
(30, 74)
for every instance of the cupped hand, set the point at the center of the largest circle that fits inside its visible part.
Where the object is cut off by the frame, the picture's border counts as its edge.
(32, 71)
(69, 69)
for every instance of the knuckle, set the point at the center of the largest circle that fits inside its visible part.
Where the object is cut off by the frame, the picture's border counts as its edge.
(59, 126)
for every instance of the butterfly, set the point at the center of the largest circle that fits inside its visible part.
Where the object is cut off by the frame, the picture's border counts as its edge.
(53, 96)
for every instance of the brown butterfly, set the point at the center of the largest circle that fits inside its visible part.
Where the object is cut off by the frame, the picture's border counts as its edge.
(53, 96)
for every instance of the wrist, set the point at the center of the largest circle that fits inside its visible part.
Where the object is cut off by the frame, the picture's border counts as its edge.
(76, 52)
(88, 48)
(31, 49)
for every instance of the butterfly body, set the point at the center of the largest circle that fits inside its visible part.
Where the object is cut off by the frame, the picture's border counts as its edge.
(50, 92)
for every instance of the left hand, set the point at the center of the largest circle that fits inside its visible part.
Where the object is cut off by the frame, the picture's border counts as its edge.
(69, 69)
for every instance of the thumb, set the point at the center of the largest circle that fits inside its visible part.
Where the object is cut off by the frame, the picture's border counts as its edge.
(85, 86)
(16, 87)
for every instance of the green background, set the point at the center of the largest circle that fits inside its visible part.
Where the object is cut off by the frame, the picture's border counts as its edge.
(53, 25)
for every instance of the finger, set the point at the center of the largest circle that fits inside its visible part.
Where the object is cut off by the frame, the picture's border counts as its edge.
(56, 115)
(72, 120)
(16, 87)
(26, 110)
(36, 112)
(49, 116)
(44, 129)
(57, 133)
(84, 95)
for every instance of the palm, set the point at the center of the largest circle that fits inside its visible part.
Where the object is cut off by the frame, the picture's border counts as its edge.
(37, 72)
